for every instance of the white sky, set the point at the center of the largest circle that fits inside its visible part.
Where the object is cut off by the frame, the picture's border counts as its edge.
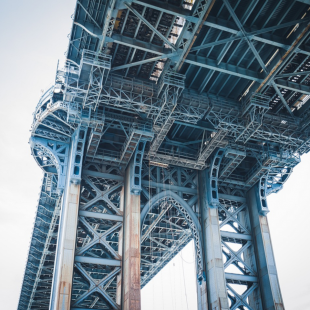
(34, 36)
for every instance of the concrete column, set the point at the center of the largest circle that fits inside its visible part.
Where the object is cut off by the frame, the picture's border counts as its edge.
(216, 283)
(202, 299)
(64, 261)
(131, 250)
(64, 285)
(267, 272)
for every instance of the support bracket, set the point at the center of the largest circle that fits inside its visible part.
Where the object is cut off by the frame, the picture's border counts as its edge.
(136, 167)
(212, 186)
(77, 154)
(52, 157)
(261, 196)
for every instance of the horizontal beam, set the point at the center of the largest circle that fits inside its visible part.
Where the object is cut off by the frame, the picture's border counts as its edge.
(233, 198)
(293, 86)
(223, 67)
(138, 44)
(235, 182)
(284, 75)
(276, 27)
(177, 161)
(153, 184)
(102, 175)
(232, 235)
(142, 62)
(271, 40)
(240, 277)
(166, 8)
(103, 216)
(98, 261)
(203, 125)
(219, 42)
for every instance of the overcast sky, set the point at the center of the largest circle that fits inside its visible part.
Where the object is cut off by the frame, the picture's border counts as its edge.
(33, 37)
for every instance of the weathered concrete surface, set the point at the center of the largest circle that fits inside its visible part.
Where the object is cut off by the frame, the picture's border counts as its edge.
(64, 283)
(216, 282)
(267, 271)
(202, 299)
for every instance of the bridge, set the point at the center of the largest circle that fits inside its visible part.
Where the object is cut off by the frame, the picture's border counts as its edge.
(170, 121)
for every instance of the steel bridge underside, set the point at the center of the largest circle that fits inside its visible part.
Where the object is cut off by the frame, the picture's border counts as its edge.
(243, 86)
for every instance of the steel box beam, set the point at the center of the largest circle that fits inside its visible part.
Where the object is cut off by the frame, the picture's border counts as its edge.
(138, 44)
(240, 277)
(97, 261)
(224, 68)
(167, 8)
(141, 62)
(103, 216)
(287, 75)
(304, 89)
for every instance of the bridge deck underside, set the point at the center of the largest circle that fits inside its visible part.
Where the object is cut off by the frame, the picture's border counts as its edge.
(237, 48)
(226, 50)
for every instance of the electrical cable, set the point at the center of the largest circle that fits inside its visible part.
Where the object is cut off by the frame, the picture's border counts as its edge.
(184, 282)
(172, 232)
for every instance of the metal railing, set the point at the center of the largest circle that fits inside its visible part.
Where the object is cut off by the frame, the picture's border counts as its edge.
(96, 59)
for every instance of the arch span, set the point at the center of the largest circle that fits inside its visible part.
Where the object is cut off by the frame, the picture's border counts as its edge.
(183, 207)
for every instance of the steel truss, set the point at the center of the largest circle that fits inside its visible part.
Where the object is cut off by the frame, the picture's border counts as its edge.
(96, 259)
(36, 288)
(170, 218)
(238, 250)
(193, 112)
(224, 116)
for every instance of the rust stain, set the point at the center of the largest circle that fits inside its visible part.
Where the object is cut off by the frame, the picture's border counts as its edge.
(131, 257)
(196, 34)
(283, 58)
(64, 294)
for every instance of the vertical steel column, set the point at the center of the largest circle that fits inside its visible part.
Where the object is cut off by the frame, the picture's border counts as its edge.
(120, 252)
(215, 276)
(131, 287)
(267, 272)
(62, 280)
(254, 299)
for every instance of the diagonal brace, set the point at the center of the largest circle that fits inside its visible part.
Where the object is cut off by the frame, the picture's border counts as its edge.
(149, 25)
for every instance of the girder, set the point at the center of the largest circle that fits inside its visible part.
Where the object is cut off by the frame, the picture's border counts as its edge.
(224, 68)
(188, 81)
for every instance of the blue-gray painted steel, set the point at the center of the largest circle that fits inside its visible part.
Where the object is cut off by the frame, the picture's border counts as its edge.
(268, 277)
(218, 87)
